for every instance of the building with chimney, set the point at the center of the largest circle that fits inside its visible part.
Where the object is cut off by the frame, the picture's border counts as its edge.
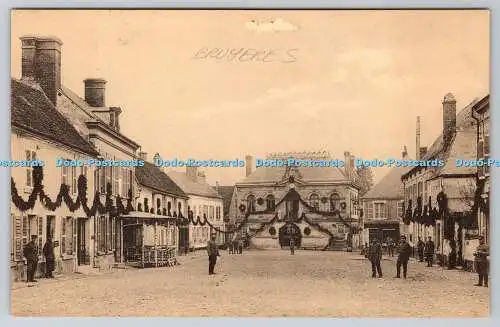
(40, 132)
(316, 207)
(383, 207)
(205, 208)
(98, 238)
(438, 199)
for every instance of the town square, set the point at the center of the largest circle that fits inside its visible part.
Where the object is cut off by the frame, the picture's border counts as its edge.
(339, 179)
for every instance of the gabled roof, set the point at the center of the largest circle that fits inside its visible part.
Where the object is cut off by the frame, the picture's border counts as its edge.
(96, 118)
(463, 145)
(151, 176)
(35, 113)
(390, 186)
(227, 195)
(200, 187)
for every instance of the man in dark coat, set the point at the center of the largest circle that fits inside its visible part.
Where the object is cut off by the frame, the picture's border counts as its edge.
(420, 248)
(30, 252)
(404, 252)
(429, 252)
(48, 253)
(481, 261)
(390, 247)
(213, 253)
(375, 256)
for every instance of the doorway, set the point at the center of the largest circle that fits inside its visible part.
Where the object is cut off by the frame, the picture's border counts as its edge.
(289, 232)
(83, 253)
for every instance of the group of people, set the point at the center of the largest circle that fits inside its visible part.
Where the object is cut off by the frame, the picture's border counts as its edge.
(30, 252)
(235, 246)
(425, 250)
(374, 254)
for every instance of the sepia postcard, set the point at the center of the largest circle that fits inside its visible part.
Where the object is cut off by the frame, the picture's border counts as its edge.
(250, 163)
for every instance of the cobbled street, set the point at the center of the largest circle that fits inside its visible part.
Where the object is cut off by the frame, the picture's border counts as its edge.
(261, 283)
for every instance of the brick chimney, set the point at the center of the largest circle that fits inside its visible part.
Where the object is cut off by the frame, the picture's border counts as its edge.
(417, 141)
(201, 176)
(114, 118)
(449, 118)
(41, 62)
(423, 151)
(217, 187)
(347, 165)
(248, 165)
(95, 89)
(143, 155)
(192, 173)
(404, 154)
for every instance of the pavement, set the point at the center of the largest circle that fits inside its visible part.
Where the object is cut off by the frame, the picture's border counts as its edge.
(263, 284)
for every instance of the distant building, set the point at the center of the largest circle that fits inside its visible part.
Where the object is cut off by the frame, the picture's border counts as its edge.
(204, 203)
(438, 200)
(229, 201)
(383, 206)
(317, 207)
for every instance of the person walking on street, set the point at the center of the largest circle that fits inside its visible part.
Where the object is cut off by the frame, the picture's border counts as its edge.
(292, 246)
(404, 251)
(429, 252)
(48, 253)
(30, 252)
(390, 247)
(481, 261)
(375, 256)
(420, 247)
(213, 253)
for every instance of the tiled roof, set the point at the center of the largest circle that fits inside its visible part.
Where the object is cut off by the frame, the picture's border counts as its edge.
(463, 145)
(227, 195)
(308, 174)
(200, 187)
(151, 176)
(390, 186)
(33, 111)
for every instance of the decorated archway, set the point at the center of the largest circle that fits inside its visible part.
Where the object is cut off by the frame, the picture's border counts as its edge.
(287, 232)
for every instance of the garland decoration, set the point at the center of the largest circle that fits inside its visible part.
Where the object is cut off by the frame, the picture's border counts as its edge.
(408, 214)
(272, 231)
(343, 206)
(307, 231)
(324, 199)
(242, 207)
(260, 201)
(80, 201)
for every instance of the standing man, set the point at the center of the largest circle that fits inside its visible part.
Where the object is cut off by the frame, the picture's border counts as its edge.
(292, 246)
(213, 253)
(420, 248)
(390, 247)
(481, 261)
(48, 253)
(404, 251)
(375, 256)
(30, 252)
(429, 252)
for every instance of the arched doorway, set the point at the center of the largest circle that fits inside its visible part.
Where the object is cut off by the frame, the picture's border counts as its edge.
(287, 232)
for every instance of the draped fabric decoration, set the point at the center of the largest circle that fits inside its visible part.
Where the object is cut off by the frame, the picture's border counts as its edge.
(417, 213)
(408, 214)
(444, 214)
(64, 195)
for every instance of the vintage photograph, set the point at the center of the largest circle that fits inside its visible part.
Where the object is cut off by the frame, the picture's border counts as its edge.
(250, 163)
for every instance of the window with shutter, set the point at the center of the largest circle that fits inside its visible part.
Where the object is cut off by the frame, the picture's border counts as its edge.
(63, 235)
(41, 239)
(109, 234)
(19, 237)
(75, 223)
(73, 180)
(486, 145)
